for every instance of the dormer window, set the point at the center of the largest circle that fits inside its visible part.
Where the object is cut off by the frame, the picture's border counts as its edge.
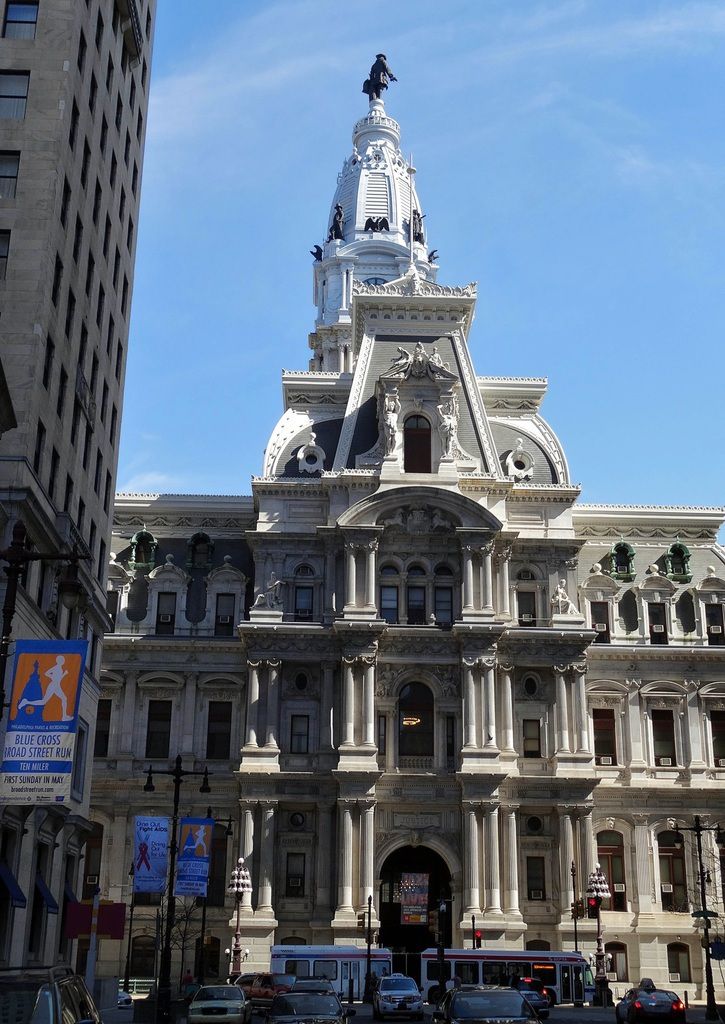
(622, 559)
(416, 445)
(677, 563)
(143, 551)
(200, 550)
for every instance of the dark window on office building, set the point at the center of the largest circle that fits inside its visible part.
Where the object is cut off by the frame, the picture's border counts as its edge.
(103, 728)
(158, 729)
(219, 730)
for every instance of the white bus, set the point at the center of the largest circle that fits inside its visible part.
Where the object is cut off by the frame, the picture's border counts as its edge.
(337, 963)
(566, 977)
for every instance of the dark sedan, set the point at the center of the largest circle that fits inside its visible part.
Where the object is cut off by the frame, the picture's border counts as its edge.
(485, 1005)
(642, 1005)
(292, 1007)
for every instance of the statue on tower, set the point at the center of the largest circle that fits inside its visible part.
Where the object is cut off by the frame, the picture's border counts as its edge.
(380, 77)
(338, 219)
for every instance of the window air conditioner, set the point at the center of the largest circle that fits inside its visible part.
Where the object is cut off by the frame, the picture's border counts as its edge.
(224, 620)
(664, 762)
(600, 627)
(612, 976)
(619, 887)
(536, 894)
(526, 574)
(91, 879)
(658, 629)
(721, 762)
(715, 629)
(527, 617)
(295, 883)
(666, 887)
(605, 760)
(164, 618)
(674, 977)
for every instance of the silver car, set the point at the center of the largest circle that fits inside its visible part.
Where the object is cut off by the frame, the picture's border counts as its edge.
(397, 996)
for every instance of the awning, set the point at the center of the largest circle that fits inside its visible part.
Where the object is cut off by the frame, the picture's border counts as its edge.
(47, 896)
(69, 894)
(17, 899)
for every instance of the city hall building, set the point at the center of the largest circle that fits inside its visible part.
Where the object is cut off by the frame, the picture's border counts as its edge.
(414, 650)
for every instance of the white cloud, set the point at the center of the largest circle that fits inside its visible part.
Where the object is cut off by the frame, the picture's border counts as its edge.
(151, 482)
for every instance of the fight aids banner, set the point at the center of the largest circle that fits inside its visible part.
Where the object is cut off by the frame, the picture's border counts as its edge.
(192, 863)
(413, 898)
(40, 741)
(150, 853)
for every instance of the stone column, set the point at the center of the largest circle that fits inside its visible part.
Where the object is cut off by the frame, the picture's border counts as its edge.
(511, 876)
(272, 703)
(246, 847)
(187, 746)
(588, 847)
(693, 729)
(344, 857)
(471, 857)
(266, 859)
(350, 575)
(566, 856)
(582, 713)
(493, 865)
(562, 710)
(403, 599)
(367, 850)
(507, 708)
(330, 602)
(371, 578)
(326, 706)
(643, 866)
(128, 733)
(323, 867)
(253, 703)
(634, 723)
(487, 592)
(348, 701)
(369, 703)
(489, 690)
(469, 705)
(505, 558)
(467, 576)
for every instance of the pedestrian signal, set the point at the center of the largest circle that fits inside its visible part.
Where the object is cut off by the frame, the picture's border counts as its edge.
(593, 905)
(477, 936)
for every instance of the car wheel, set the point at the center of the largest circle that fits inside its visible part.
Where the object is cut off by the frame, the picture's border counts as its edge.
(550, 996)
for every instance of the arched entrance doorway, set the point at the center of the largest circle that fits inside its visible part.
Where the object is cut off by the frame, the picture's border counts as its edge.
(414, 881)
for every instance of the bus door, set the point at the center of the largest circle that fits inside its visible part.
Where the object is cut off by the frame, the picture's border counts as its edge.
(565, 984)
(578, 982)
(350, 969)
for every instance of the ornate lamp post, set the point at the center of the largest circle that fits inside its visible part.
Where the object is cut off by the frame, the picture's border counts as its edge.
(711, 1011)
(239, 885)
(178, 774)
(598, 890)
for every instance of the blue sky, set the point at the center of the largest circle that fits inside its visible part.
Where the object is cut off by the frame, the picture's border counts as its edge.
(571, 160)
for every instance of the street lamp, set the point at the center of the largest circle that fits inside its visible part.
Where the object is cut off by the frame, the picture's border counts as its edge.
(711, 1012)
(201, 959)
(18, 556)
(368, 993)
(127, 973)
(239, 886)
(178, 774)
(598, 890)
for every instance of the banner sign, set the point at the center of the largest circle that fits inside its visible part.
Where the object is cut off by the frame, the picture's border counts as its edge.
(37, 765)
(192, 863)
(150, 853)
(413, 898)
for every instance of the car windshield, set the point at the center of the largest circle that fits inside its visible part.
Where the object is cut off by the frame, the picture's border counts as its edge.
(305, 1003)
(283, 979)
(26, 1002)
(506, 1003)
(230, 992)
(398, 985)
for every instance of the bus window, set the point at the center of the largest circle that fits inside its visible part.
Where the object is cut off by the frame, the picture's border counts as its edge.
(588, 976)
(495, 972)
(379, 968)
(326, 969)
(545, 973)
(434, 973)
(300, 968)
(467, 971)
(520, 968)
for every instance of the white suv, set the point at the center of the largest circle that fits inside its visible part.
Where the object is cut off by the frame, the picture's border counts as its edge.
(397, 996)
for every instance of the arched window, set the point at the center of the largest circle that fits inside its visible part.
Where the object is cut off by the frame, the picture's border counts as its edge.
(415, 594)
(673, 879)
(415, 721)
(201, 550)
(617, 959)
(416, 445)
(143, 551)
(540, 944)
(443, 595)
(389, 594)
(143, 956)
(622, 559)
(610, 849)
(677, 563)
(678, 962)
(304, 593)
(212, 951)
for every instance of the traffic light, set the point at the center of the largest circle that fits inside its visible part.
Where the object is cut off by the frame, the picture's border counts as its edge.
(593, 905)
(578, 910)
(361, 922)
(477, 936)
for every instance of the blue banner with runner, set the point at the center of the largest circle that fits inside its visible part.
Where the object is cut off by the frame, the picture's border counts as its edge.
(192, 863)
(150, 853)
(39, 747)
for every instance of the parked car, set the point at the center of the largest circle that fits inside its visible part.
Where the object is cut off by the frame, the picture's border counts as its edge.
(226, 1001)
(485, 1004)
(125, 1001)
(533, 991)
(396, 995)
(264, 987)
(52, 995)
(244, 980)
(322, 1007)
(649, 1003)
(312, 985)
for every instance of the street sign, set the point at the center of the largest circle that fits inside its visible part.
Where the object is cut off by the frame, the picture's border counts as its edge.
(717, 950)
(704, 913)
